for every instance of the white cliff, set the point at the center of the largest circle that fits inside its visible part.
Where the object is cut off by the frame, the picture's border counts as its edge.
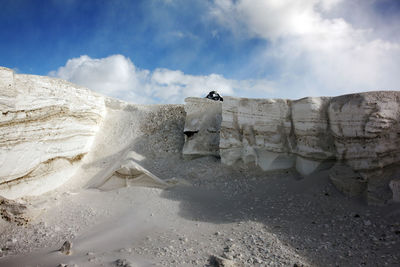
(314, 146)
(257, 132)
(366, 131)
(356, 136)
(52, 132)
(46, 126)
(202, 127)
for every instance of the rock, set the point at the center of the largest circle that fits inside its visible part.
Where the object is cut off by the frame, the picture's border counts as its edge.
(46, 126)
(256, 132)
(314, 143)
(365, 127)
(202, 127)
(221, 262)
(367, 223)
(13, 211)
(123, 263)
(66, 248)
(366, 130)
(357, 133)
(277, 133)
(347, 180)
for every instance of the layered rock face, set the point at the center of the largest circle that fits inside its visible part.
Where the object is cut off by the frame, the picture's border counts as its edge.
(46, 126)
(256, 131)
(313, 144)
(202, 127)
(366, 131)
(355, 136)
(277, 134)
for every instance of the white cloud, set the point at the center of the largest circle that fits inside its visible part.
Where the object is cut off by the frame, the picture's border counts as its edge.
(117, 76)
(315, 54)
(113, 76)
(313, 48)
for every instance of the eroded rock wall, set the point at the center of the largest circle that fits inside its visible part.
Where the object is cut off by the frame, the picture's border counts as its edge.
(314, 147)
(202, 127)
(366, 131)
(47, 125)
(356, 136)
(277, 134)
(257, 132)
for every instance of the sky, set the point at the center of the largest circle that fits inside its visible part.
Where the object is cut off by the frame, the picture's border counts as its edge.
(161, 51)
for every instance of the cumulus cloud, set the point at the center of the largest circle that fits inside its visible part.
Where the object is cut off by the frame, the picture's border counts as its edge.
(118, 77)
(312, 48)
(315, 52)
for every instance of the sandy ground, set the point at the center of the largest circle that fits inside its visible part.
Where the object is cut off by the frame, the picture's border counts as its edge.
(246, 216)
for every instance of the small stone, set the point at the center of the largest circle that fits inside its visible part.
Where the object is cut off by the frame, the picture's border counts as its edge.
(221, 262)
(367, 223)
(349, 254)
(122, 263)
(66, 248)
(183, 239)
(228, 255)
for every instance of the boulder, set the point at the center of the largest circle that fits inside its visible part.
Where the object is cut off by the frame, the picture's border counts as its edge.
(348, 181)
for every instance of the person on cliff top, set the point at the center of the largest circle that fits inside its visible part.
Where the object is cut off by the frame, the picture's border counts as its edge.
(213, 95)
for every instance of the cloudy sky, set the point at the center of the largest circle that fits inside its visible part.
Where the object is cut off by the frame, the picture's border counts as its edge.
(161, 51)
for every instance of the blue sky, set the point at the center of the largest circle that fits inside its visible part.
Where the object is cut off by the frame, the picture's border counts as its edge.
(154, 51)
